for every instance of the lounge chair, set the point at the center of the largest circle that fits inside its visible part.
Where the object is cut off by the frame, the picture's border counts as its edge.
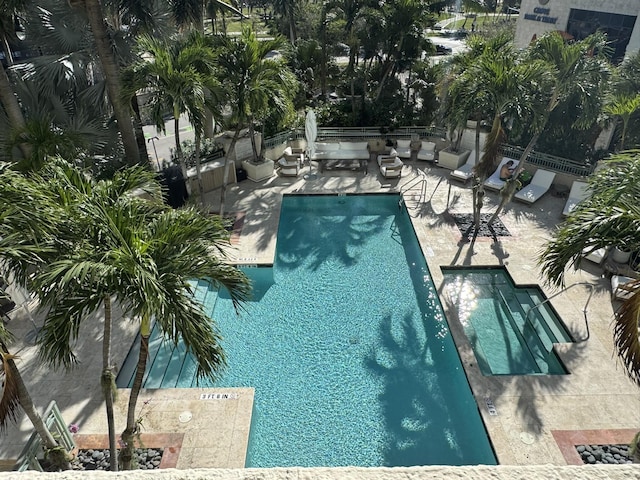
(290, 163)
(623, 287)
(596, 256)
(288, 169)
(427, 151)
(540, 184)
(579, 192)
(390, 165)
(403, 147)
(494, 182)
(465, 172)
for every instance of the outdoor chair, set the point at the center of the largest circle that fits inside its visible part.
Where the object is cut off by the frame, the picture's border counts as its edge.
(494, 182)
(540, 184)
(623, 288)
(579, 192)
(465, 172)
(403, 147)
(427, 151)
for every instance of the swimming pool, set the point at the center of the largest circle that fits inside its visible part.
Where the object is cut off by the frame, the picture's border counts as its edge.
(347, 347)
(506, 337)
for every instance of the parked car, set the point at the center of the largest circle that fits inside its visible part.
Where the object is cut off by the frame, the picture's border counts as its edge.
(442, 50)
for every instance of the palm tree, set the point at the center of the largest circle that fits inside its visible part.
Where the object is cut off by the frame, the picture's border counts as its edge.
(178, 77)
(610, 216)
(14, 395)
(497, 82)
(191, 12)
(111, 71)
(578, 70)
(287, 10)
(9, 10)
(258, 86)
(623, 106)
(113, 245)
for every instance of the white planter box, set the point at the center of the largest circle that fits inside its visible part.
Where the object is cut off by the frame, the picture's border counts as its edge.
(260, 171)
(452, 160)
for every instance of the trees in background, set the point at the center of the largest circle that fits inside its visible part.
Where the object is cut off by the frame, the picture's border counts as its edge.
(257, 86)
(578, 73)
(178, 76)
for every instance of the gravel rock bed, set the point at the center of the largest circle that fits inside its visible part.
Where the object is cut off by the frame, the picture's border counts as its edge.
(147, 459)
(611, 454)
(464, 222)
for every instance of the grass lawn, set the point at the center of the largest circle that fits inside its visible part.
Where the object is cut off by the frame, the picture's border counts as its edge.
(483, 22)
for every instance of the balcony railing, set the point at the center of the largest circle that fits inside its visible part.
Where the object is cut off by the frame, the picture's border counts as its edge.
(539, 159)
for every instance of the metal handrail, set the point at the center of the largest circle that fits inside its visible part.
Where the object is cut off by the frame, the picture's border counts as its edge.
(584, 311)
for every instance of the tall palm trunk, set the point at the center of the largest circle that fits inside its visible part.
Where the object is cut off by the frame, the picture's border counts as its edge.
(133, 426)
(199, 169)
(225, 177)
(56, 453)
(111, 72)
(484, 168)
(179, 153)
(139, 132)
(511, 184)
(107, 381)
(12, 108)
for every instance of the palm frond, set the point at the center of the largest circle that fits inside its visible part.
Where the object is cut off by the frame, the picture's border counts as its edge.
(9, 400)
(626, 331)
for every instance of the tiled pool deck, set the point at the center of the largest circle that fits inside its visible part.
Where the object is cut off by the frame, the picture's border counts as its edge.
(535, 417)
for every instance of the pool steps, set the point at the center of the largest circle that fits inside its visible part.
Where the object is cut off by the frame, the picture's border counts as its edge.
(177, 363)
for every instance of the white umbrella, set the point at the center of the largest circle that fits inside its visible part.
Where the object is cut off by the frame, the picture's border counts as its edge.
(310, 133)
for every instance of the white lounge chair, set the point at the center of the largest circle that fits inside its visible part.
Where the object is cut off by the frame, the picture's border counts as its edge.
(596, 256)
(427, 151)
(540, 184)
(403, 147)
(465, 172)
(623, 287)
(579, 192)
(494, 182)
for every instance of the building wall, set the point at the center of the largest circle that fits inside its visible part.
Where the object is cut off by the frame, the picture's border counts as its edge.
(537, 19)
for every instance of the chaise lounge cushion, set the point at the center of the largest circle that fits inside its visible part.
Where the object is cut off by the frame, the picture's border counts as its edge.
(341, 151)
(403, 147)
(494, 182)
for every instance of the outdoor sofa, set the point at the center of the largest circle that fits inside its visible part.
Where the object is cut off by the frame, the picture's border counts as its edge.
(341, 154)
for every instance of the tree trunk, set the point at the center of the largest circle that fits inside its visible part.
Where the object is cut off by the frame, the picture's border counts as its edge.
(137, 125)
(12, 108)
(225, 177)
(199, 170)
(55, 452)
(107, 381)
(512, 182)
(179, 154)
(133, 425)
(112, 79)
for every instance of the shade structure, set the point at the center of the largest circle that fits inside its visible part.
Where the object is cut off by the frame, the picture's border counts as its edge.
(311, 132)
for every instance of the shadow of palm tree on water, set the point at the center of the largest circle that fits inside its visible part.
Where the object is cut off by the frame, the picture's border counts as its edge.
(431, 417)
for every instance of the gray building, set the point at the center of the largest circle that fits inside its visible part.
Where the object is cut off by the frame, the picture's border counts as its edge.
(579, 18)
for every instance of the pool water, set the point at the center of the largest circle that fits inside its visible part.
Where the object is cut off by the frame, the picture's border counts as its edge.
(506, 337)
(346, 346)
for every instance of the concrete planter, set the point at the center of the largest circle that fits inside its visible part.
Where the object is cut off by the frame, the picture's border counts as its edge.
(620, 256)
(452, 160)
(260, 171)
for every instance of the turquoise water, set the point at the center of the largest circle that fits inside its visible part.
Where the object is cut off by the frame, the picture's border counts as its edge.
(506, 339)
(346, 346)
